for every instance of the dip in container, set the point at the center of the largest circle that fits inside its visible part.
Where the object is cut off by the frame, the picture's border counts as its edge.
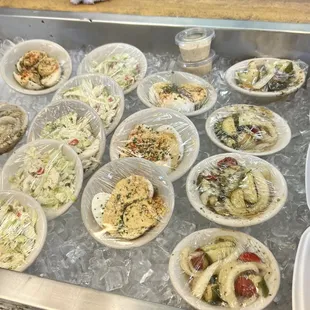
(194, 43)
(200, 68)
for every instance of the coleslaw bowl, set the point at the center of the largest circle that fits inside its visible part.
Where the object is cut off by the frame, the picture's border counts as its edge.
(58, 109)
(100, 53)
(16, 161)
(96, 80)
(41, 224)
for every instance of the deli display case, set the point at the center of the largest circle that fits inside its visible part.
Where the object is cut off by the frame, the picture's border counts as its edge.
(74, 269)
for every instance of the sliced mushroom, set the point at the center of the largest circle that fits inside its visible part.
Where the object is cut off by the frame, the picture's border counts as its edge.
(13, 124)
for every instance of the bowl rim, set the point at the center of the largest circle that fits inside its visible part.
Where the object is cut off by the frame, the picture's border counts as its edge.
(41, 217)
(210, 132)
(102, 135)
(120, 94)
(230, 73)
(44, 91)
(142, 60)
(127, 244)
(209, 232)
(195, 136)
(50, 213)
(221, 220)
(211, 101)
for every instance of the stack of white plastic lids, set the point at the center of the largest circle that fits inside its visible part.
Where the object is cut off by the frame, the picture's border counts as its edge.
(196, 55)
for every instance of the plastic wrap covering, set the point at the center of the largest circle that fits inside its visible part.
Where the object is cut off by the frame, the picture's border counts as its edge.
(76, 124)
(36, 67)
(98, 91)
(163, 136)
(236, 190)
(184, 92)
(123, 62)
(49, 171)
(22, 230)
(127, 203)
(248, 129)
(267, 77)
(13, 124)
(217, 268)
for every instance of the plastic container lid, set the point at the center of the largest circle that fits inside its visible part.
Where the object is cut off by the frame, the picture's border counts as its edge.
(301, 279)
(187, 64)
(194, 35)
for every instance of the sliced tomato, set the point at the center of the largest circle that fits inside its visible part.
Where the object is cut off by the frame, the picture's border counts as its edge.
(74, 142)
(244, 287)
(249, 257)
(255, 130)
(199, 260)
(211, 177)
(40, 171)
(227, 162)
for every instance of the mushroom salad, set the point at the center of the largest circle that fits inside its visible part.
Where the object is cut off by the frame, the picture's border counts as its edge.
(13, 124)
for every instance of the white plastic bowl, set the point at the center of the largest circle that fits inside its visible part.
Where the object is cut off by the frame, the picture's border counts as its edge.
(9, 60)
(230, 78)
(60, 108)
(41, 225)
(96, 79)
(16, 160)
(155, 118)
(199, 238)
(105, 179)
(284, 131)
(102, 52)
(307, 177)
(176, 77)
(277, 180)
(301, 276)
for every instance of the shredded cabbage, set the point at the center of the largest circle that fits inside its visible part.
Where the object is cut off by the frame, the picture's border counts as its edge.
(76, 132)
(98, 97)
(48, 177)
(124, 69)
(17, 233)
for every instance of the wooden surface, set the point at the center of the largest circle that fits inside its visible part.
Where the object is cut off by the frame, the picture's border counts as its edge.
(297, 11)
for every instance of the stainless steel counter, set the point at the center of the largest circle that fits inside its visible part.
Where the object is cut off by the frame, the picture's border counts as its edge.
(21, 289)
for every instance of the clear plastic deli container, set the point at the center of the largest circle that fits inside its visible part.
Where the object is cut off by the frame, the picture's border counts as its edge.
(200, 68)
(194, 43)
